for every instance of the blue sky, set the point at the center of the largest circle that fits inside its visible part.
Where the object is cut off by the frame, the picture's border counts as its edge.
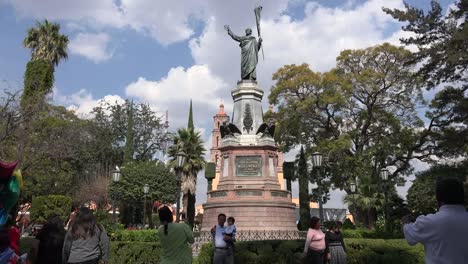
(168, 52)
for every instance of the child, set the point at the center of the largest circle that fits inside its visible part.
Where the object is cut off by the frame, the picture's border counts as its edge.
(230, 231)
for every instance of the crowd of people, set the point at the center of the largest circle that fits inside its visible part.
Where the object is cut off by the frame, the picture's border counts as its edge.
(443, 234)
(85, 242)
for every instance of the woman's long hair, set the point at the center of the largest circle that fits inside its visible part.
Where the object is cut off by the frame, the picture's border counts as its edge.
(84, 225)
(165, 216)
(51, 238)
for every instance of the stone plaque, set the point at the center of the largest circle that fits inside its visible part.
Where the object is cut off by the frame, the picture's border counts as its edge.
(249, 166)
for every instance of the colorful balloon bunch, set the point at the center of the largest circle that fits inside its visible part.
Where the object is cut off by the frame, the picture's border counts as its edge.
(11, 183)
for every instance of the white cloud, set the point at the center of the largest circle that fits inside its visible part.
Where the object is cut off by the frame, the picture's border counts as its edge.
(317, 39)
(165, 21)
(196, 83)
(92, 46)
(82, 102)
(91, 12)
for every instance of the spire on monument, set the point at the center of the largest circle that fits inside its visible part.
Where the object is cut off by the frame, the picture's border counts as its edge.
(190, 119)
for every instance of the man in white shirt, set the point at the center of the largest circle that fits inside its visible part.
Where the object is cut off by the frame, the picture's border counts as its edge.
(445, 233)
(223, 254)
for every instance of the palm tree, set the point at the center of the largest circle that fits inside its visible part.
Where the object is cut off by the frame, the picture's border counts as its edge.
(189, 141)
(366, 202)
(46, 42)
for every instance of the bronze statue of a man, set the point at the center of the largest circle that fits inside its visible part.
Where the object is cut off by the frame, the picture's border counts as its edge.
(249, 53)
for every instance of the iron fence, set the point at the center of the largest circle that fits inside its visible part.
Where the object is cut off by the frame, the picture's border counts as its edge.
(203, 237)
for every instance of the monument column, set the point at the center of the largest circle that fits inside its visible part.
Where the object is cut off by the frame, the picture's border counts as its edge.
(249, 188)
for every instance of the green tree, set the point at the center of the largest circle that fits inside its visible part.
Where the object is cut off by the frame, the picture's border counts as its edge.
(304, 200)
(421, 195)
(46, 42)
(442, 42)
(129, 190)
(129, 139)
(53, 152)
(189, 141)
(361, 116)
(112, 124)
(11, 119)
(48, 48)
(38, 82)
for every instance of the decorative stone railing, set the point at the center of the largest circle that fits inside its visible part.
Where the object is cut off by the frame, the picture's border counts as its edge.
(245, 193)
(203, 237)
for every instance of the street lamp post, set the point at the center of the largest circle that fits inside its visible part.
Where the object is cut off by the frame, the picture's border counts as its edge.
(115, 178)
(317, 163)
(353, 190)
(179, 170)
(145, 191)
(384, 176)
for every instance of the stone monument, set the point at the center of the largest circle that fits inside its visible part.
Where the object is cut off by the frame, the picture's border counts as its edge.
(247, 158)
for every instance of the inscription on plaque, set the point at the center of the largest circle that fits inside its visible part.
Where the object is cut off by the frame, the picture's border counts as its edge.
(249, 166)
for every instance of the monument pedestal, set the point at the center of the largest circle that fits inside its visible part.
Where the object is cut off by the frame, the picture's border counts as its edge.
(248, 187)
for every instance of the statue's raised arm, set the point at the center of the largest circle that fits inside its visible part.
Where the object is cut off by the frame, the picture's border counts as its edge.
(233, 36)
(249, 52)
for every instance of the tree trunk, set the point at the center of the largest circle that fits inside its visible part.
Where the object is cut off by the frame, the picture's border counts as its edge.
(185, 203)
(304, 206)
(288, 185)
(191, 209)
(149, 213)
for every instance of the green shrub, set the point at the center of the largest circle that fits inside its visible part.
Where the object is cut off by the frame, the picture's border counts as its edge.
(347, 224)
(135, 252)
(149, 235)
(374, 234)
(105, 219)
(44, 206)
(362, 251)
(205, 255)
(120, 252)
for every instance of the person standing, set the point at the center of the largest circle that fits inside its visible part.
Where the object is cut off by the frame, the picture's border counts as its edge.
(48, 249)
(7, 254)
(13, 234)
(335, 247)
(223, 253)
(445, 233)
(174, 238)
(314, 248)
(230, 231)
(86, 242)
(71, 218)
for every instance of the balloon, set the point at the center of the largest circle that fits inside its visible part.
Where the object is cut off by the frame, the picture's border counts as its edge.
(8, 197)
(19, 177)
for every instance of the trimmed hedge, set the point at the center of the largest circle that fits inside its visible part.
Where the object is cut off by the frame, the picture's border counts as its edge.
(135, 252)
(360, 251)
(374, 234)
(149, 235)
(120, 252)
(47, 205)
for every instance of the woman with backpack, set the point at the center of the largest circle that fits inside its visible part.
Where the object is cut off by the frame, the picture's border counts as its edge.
(86, 242)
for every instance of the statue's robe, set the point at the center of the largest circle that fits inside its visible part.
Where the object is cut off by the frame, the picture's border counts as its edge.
(249, 55)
